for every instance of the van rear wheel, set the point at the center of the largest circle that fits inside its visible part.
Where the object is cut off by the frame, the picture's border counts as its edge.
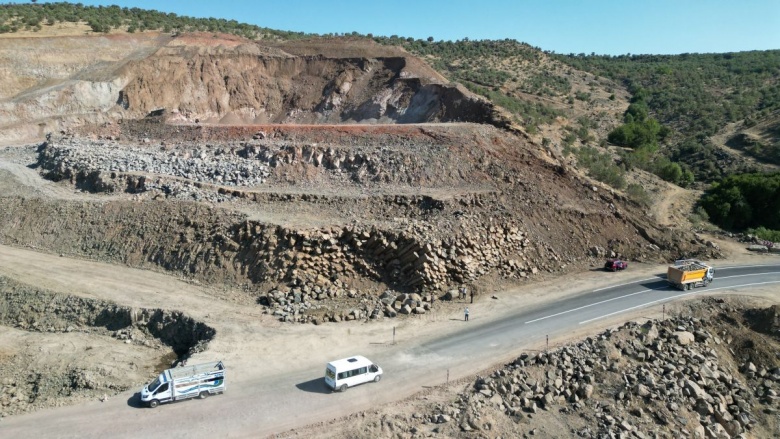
(377, 378)
(154, 403)
(343, 388)
(203, 395)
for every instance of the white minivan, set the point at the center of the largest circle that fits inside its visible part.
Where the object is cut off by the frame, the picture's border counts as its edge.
(347, 372)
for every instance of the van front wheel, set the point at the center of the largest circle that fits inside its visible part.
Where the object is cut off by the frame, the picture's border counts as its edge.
(154, 403)
(377, 378)
(343, 388)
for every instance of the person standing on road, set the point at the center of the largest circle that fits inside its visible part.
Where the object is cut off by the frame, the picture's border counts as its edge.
(466, 314)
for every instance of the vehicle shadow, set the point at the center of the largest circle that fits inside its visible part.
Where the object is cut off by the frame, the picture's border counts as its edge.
(135, 401)
(316, 385)
(660, 284)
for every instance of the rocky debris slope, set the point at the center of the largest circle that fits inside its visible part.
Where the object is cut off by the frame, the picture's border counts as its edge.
(321, 224)
(30, 380)
(701, 374)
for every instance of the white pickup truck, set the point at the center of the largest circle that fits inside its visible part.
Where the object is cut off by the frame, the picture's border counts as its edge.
(200, 380)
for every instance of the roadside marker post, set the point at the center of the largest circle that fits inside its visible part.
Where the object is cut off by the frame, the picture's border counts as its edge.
(393, 334)
(447, 386)
(663, 313)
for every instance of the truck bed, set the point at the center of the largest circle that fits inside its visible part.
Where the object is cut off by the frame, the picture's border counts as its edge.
(685, 271)
(196, 369)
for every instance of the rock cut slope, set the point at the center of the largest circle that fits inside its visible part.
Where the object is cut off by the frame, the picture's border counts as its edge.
(312, 207)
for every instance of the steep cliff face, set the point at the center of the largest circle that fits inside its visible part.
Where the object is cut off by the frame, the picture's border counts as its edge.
(221, 80)
(238, 86)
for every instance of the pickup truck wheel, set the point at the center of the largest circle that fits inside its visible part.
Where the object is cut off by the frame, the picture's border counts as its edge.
(377, 378)
(154, 403)
(203, 395)
(343, 388)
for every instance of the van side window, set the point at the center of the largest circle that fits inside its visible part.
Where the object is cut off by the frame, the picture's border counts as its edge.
(362, 370)
(373, 368)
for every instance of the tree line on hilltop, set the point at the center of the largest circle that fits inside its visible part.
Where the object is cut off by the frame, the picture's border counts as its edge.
(103, 19)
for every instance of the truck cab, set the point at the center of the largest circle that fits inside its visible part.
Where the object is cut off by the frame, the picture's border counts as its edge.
(158, 390)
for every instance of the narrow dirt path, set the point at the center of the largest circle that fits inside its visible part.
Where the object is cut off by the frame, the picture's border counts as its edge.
(674, 205)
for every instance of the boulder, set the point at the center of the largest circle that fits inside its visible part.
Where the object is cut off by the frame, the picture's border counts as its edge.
(683, 338)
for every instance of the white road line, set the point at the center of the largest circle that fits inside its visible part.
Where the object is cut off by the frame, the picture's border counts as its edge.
(628, 283)
(586, 306)
(666, 299)
(633, 294)
(747, 266)
(742, 275)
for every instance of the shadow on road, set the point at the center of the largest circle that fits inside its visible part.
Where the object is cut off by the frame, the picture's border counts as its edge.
(660, 284)
(135, 401)
(316, 385)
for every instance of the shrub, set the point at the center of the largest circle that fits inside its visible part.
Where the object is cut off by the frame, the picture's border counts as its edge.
(765, 234)
(638, 194)
(601, 167)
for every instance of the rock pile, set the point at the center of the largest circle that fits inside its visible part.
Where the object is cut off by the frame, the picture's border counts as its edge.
(407, 260)
(663, 377)
(71, 158)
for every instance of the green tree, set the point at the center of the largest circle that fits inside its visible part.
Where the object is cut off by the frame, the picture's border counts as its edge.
(744, 200)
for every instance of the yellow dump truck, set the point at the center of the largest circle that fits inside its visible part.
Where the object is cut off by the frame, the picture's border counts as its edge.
(689, 273)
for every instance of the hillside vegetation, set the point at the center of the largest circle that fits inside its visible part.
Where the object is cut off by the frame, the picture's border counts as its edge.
(32, 17)
(697, 95)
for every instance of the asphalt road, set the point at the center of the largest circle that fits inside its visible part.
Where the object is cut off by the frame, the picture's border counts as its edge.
(298, 397)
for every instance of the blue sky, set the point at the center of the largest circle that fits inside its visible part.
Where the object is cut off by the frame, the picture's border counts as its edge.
(564, 26)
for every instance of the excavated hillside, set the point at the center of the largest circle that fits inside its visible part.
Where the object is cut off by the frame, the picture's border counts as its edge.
(253, 84)
(222, 79)
(315, 171)
(320, 180)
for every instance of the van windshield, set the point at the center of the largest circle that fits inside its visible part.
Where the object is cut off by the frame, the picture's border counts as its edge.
(154, 384)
